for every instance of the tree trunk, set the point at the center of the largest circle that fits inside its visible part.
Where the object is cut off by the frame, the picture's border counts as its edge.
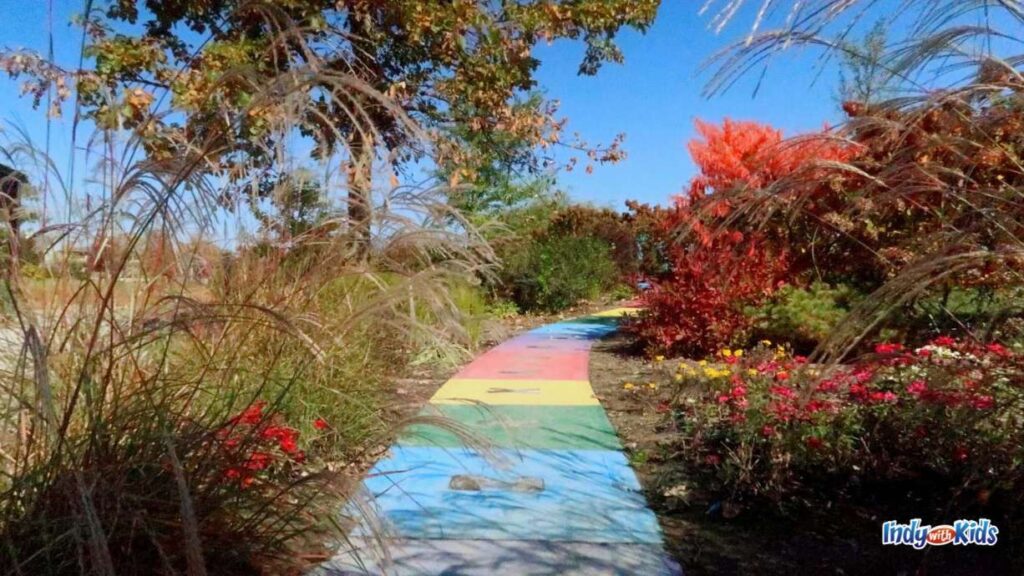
(360, 197)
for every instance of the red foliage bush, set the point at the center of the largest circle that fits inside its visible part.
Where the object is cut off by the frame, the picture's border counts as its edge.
(698, 306)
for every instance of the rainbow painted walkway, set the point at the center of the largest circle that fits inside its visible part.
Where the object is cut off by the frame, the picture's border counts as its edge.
(554, 493)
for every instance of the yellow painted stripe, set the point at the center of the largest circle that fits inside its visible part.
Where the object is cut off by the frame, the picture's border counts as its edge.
(517, 392)
(616, 312)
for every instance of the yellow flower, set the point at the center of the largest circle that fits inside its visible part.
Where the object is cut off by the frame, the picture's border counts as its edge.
(727, 353)
(679, 377)
(703, 363)
(659, 358)
(712, 372)
(628, 386)
(751, 372)
(738, 353)
(652, 386)
(766, 342)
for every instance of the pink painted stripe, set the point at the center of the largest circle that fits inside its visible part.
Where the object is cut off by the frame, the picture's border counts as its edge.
(513, 364)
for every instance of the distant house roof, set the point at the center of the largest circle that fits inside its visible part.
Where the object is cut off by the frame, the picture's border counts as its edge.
(8, 172)
(9, 176)
(10, 193)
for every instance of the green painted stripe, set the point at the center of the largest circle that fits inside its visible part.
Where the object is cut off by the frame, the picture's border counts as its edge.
(512, 426)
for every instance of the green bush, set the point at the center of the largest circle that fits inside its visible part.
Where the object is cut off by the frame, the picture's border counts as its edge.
(553, 273)
(803, 316)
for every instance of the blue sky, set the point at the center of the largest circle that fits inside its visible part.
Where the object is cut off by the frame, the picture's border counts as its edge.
(654, 97)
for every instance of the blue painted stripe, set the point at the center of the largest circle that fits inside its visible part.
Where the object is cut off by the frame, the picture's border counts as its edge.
(575, 330)
(510, 557)
(588, 496)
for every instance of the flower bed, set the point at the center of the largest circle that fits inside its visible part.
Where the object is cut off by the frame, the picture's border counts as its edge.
(763, 423)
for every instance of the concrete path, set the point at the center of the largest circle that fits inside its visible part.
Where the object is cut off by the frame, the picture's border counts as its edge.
(553, 495)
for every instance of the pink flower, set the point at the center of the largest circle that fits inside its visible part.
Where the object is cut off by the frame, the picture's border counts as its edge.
(739, 391)
(827, 386)
(723, 398)
(782, 391)
(982, 402)
(862, 375)
(917, 387)
(768, 431)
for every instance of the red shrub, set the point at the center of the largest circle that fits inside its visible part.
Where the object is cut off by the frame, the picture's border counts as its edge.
(698, 306)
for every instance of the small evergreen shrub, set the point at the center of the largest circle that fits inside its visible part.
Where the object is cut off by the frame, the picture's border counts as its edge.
(803, 317)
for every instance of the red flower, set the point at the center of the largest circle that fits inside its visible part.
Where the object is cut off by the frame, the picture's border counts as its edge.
(299, 457)
(739, 391)
(288, 445)
(783, 391)
(888, 348)
(817, 406)
(232, 473)
(998, 350)
(960, 453)
(882, 397)
(944, 341)
(814, 443)
(782, 376)
(251, 415)
(321, 424)
(713, 459)
(768, 431)
(258, 461)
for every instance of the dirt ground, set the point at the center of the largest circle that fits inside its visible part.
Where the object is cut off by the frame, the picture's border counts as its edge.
(838, 535)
